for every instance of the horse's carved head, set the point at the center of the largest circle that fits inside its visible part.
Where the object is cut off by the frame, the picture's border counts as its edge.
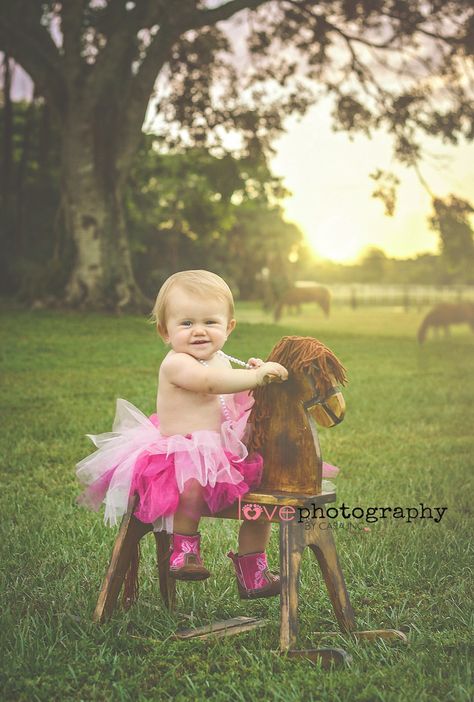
(314, 373)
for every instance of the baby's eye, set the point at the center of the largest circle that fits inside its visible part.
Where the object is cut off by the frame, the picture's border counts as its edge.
(187, 323)
(211, 321)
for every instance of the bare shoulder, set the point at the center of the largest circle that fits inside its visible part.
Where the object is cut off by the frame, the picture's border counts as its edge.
(177, 361)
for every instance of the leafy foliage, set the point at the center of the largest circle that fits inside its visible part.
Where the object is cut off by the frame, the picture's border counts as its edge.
(451, 220)
(192, 209)
(32, 236)
(184, 208)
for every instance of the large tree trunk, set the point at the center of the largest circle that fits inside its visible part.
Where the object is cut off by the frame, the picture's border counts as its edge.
(102, 277)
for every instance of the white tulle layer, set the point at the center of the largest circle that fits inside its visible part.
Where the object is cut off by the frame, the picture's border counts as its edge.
(199, 455)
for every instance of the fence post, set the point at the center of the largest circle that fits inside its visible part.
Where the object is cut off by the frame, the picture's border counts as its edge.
(353, 299)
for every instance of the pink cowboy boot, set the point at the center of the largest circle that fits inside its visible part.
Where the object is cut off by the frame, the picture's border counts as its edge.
(254, 579)
(185, 559)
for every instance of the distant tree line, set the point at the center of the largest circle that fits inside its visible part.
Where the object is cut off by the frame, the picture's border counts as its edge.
(374, 266)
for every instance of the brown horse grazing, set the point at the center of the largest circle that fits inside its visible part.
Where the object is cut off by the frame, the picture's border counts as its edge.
(445, 314)
(294, 297)
(282, 417)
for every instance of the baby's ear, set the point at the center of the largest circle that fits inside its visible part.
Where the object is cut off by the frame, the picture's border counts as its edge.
(162, 332)
(231, 326)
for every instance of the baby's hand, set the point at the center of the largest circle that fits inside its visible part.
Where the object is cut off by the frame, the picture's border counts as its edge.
(254, 362)
(271, 372)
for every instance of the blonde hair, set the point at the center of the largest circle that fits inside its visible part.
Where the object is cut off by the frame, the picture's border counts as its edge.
(197, 282)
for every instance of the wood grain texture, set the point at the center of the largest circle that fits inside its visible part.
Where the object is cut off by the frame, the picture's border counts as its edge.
(290, 561)
(291, 454)
(167, 583)
(294, 538)
(130, 532)
(321, 542)
(227, 627)
(370, 635)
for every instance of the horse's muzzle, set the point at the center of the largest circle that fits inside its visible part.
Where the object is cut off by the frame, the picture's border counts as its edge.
(327, 411)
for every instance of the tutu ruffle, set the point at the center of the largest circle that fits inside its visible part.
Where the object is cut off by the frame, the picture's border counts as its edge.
(137, 458)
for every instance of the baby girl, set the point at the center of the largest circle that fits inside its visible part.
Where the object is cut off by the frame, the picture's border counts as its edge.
(190, 457)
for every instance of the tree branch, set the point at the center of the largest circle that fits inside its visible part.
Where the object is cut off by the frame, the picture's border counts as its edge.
(32, 47)
(137, 97)
(423, 181)
(388, 44)
(71, 26)
(122, 40)
(203, 18)
(451, 40)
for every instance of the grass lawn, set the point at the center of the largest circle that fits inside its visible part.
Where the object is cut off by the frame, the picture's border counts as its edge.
(407, 439)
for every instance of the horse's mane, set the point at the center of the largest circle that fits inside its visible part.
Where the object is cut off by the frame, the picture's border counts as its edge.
(299, 354)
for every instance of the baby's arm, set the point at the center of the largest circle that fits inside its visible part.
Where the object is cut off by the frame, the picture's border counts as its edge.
(186, 372)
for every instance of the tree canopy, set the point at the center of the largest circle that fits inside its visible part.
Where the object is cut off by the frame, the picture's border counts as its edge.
(398, 65)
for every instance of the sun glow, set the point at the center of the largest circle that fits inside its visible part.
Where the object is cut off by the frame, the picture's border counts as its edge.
(337, 239)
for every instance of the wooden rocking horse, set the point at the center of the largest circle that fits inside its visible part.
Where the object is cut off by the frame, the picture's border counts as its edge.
(284, 430)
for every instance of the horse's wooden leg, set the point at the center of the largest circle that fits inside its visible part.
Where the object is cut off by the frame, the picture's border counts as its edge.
(291, 546)
(292, 543)
(130, 532)
(167, 584)
(321, 542)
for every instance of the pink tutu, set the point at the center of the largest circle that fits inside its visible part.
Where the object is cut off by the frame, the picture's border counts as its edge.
(136, 458)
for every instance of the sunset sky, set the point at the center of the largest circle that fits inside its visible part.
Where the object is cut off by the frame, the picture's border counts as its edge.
(328, 175)
(331, 202)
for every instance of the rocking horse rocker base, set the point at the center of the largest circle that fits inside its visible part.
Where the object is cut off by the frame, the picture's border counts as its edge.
(292, 477)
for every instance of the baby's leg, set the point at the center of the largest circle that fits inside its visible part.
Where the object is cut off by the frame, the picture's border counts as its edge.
(254, 537)
(185, 558)
(190, 508)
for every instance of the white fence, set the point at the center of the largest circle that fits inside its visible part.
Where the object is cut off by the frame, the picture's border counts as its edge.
(355, 294)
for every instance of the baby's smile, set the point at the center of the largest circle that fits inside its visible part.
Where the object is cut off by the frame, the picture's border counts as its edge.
(197, 325)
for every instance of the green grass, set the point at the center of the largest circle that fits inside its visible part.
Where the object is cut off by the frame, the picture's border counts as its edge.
(406, 439)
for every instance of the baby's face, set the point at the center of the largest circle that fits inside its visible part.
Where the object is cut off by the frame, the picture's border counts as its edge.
(196, 325)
